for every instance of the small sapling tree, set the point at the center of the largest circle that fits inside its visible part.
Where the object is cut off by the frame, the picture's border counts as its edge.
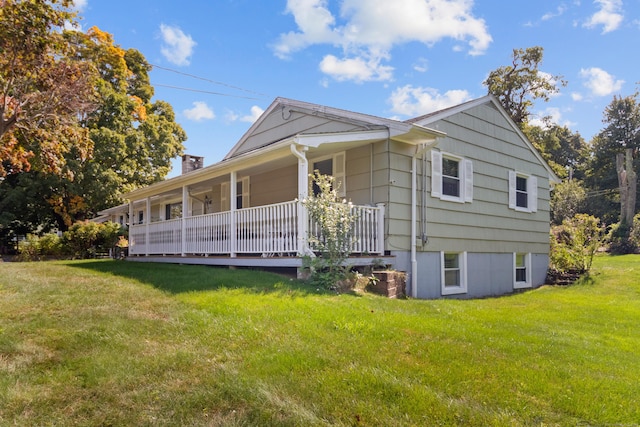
(332, 221)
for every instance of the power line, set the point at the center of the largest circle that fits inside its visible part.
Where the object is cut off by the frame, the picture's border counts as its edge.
(208, 92)
(193, 76)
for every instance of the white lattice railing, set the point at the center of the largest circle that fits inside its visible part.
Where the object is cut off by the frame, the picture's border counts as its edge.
(265, 230)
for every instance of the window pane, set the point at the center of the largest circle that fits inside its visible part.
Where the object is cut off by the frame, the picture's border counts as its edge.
(452, 278)
(450, 167)
(450, 186)
(450, 260)
(519, 260)
(522, 199)
(521, 184)
(521, 274)
(324, 167)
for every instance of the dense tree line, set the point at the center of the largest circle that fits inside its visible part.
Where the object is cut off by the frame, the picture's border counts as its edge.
(78, 123)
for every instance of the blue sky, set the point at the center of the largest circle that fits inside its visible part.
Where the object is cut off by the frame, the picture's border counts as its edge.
(399, 59)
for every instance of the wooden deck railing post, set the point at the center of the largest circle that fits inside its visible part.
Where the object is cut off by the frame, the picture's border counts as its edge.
(183, 221)
(232, 208)
(380, 221)
(147, 221)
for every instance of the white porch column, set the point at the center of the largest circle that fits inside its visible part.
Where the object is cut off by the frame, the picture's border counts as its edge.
(380, 238)
(186, 212)
(131, 215)
(303, 193)
(147, 221)
(232, 208)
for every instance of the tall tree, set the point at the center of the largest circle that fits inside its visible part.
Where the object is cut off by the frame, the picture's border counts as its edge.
(44, 88)
(519, 84)
(622, 132)
(133, 140)
(565, 151)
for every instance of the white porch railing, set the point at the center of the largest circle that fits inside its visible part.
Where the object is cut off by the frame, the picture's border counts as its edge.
(264, 230)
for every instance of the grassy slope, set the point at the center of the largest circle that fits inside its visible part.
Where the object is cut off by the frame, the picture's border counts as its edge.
(107, 342)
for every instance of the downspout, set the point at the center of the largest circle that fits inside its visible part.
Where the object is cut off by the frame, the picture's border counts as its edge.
(414, 233)
(303, 188)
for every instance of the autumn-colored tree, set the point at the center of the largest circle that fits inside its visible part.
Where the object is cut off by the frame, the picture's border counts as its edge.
(133, 141)
(134, 137)
(44, 88)
(519, 84)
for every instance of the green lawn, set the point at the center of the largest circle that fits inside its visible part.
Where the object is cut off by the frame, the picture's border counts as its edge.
(121, 343)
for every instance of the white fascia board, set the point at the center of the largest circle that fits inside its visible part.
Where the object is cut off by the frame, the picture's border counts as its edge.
(316, 140)
(417, 135)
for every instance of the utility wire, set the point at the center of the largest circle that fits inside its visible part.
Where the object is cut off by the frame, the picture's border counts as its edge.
(193, 76)
(207, 91)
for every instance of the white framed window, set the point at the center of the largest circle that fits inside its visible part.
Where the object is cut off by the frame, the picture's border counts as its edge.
(521, 270)
(242, 194)
(453, 273)
(173, 211)
(334, 166)
(451, 177)
(523, 192)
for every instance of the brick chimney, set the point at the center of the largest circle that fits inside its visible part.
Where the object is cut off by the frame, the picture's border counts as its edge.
(191, 163)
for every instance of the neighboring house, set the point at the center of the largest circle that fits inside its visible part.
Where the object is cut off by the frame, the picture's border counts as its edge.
(459, 199)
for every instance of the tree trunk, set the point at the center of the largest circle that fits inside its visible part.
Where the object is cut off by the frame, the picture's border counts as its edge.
(627, 185)
(631, 187)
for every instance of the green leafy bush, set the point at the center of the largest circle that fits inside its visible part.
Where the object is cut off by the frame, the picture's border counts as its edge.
(619, 239)
(88, 239)
(35, 247)
(634, 234)
(51, 245)
(29, 248)
(574, 243)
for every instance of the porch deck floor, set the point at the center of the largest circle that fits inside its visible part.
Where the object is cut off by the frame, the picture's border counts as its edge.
(251, 261)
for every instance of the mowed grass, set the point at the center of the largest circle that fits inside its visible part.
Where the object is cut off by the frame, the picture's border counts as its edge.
(134, 344)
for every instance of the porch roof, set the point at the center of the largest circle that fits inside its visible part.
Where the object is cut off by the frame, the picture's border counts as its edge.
(405, 132)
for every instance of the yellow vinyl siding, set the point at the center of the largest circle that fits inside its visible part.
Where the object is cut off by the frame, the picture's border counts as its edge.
(279, 185)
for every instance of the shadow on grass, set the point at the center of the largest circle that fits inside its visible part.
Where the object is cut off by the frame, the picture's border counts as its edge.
(175, 278)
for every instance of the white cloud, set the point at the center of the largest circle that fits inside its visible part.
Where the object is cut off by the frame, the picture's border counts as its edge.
(231, 116)
(255, 113)
(80, 5)
(421, 66)
(177, 46)
(600, 82)
(199, 112)
(576, 96)
(608, 16)
(358, 69)
(369, 29)
(553, 114)
(415, 101)
(560, 10)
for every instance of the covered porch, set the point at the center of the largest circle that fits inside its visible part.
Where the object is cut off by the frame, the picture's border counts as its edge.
(245, 210)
